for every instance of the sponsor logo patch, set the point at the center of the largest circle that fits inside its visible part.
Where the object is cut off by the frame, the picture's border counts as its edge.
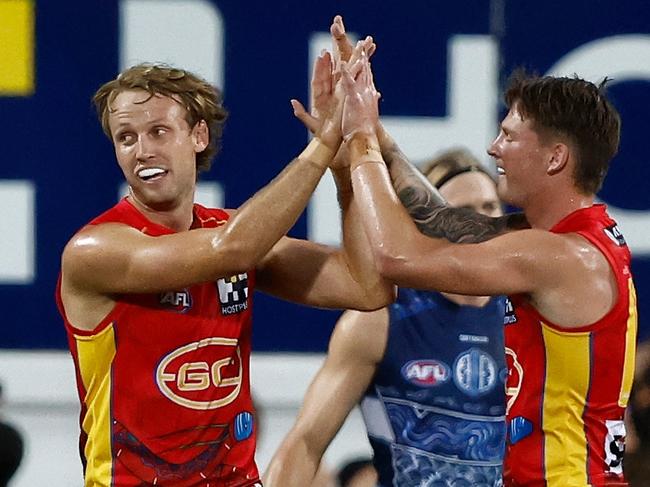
(615, 446)
(510, 317)
(615, 235)
(233, 294)
(426, 373)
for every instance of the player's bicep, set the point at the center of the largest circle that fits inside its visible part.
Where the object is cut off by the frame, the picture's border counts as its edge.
(519, 262)
(309, 273)
(115, 258)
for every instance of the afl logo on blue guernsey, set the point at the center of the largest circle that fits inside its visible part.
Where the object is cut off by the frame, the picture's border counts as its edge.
(475, 372)
(426, 373)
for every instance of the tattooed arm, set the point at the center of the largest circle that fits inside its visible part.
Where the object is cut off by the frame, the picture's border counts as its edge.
(428, 208)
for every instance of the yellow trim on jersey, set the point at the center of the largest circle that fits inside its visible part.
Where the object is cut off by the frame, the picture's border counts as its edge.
(568, 364)
(630, 347)
(17, 47)
(95, 356)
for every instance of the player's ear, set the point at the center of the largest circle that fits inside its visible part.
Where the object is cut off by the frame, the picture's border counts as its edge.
(200, 136)
(558, 158)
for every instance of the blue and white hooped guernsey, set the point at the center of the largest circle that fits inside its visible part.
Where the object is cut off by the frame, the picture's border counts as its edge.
(435, 411)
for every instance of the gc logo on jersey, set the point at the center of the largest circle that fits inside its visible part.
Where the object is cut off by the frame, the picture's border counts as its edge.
(515, 378)
(426, 373)
(202, 375)
(233, 294)
(475, 372)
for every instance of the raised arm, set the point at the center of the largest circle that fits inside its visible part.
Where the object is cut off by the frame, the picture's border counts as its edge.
(423, 202)
(356, 347)
(317, 275)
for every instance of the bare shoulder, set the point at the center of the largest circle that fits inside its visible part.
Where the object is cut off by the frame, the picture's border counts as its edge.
(361, 334)
(93, 244)
(582, 287)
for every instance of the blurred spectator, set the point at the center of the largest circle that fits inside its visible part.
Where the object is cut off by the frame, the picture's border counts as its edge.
(11, 450)
(637, 454)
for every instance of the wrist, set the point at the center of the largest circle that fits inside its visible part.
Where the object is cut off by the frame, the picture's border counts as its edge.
(318, 153)
(364, 148)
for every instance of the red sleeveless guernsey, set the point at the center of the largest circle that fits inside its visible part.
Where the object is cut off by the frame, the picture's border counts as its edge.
(567, 389)
(163, 380)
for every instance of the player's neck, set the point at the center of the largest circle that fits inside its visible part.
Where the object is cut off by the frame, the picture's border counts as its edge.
(548, 209)
(177, 217)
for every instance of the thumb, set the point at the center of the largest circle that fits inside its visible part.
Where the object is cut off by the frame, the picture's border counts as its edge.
(301, 114)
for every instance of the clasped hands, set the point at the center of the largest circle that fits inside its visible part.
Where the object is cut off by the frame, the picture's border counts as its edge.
(344, 100)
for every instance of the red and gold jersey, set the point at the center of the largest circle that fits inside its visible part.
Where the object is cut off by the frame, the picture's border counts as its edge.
(567, 389)
(163, 380)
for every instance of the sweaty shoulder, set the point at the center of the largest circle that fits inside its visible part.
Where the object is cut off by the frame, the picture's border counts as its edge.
(585, 287)
(92, 244)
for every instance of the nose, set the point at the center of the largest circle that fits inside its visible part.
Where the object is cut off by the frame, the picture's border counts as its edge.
(492, 149)
(143, 148)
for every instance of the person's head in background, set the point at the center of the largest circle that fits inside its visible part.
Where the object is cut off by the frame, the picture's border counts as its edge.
(359, 472)
(11, 450)
(463, 181)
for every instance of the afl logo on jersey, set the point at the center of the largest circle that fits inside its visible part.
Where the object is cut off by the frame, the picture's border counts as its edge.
(426, 373)
(475, 372)
(179, 301)
(202, 375)
(233, 294)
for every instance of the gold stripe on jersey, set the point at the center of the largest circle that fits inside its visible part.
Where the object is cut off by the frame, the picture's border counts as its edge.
(630, 347)
(95, 355)
(568, 364)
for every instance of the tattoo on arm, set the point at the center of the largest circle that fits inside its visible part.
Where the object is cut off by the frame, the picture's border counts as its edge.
(430, 213)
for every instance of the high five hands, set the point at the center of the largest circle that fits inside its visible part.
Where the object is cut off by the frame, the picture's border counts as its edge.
(343, 97)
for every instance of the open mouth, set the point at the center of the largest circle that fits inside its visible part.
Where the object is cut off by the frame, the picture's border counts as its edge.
(151, 173)
(501, 171)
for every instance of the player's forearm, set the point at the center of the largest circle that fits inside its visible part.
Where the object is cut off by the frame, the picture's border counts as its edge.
(273, 210)
(428, 208)
(292, 466)
(374, 291)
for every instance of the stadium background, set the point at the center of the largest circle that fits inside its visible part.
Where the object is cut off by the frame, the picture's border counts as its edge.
(439, 66)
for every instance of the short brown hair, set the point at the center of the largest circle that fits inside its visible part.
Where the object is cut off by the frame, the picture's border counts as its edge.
(450, 164)
(201, 100)
(576, 109)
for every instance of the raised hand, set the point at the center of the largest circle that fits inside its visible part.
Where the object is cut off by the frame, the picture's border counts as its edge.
(321, 95)
(360, 110)
(342, 45)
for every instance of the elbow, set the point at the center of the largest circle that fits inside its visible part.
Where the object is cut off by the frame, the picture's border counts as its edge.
(382, 295)
(390, 265)
(240, 256)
